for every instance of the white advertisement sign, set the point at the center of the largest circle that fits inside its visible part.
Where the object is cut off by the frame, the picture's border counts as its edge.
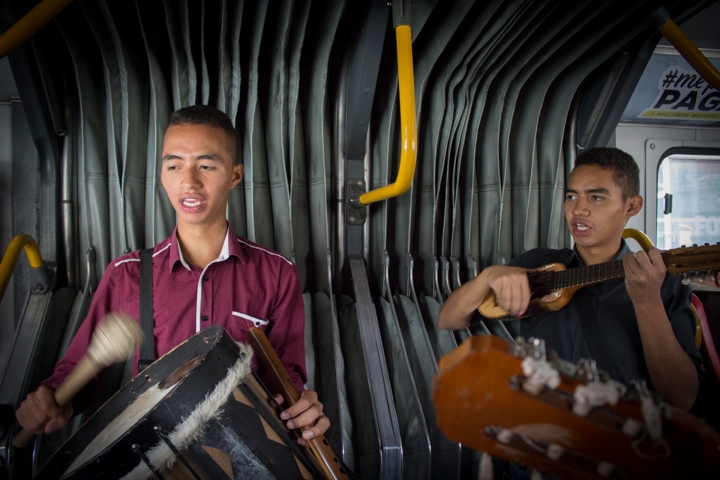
(683, 94)
(670, 91)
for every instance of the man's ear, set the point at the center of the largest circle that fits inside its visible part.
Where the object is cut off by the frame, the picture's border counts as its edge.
(238, 171)
(633, 205)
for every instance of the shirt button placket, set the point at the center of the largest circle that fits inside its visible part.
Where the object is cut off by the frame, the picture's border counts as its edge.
(207, 307)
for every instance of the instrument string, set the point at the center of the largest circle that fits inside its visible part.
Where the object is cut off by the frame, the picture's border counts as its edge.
(588, 274)
(543, 281)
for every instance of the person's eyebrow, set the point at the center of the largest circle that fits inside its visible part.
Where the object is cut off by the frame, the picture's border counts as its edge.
(204, 156)
(209, 156)
(589, 190)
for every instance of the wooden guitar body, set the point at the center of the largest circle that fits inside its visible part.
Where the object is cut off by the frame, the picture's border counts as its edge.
(481, 402)
(540, 301)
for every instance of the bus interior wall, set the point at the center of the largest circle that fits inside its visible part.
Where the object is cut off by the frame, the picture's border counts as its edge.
(507, 94)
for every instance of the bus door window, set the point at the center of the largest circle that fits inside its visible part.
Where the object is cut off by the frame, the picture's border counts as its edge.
(688, 200)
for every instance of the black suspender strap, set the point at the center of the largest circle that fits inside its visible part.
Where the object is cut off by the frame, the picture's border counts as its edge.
(592, 332)
(147, 323)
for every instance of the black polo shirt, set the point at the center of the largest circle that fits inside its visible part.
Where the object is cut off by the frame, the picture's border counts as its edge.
(615, 314)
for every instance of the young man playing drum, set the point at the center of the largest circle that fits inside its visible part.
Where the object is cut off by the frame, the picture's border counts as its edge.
(203, 274)
(646, 324)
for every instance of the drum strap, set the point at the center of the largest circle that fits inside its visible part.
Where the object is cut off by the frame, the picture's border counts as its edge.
(147, 323)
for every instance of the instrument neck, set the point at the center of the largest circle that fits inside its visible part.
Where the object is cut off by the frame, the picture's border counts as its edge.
(588, 275)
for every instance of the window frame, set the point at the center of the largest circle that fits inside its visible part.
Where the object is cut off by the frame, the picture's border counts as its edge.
(689, 155)
(657, 150)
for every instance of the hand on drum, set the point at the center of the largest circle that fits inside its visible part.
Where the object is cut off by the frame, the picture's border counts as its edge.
(307, 412)
(40, 413)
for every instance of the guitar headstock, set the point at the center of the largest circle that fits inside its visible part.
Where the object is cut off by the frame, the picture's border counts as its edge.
(695, 262)
(525, 405)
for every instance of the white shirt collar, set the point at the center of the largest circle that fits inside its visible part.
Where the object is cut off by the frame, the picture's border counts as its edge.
(224, 253)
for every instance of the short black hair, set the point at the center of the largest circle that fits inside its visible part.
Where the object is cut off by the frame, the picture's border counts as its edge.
(210, 116)
(626, 173)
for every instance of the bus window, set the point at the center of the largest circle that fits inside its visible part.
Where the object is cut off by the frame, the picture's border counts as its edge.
(688, 200)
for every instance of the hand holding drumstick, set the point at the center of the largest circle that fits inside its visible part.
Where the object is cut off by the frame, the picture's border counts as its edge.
(114, 339)
(327, 460)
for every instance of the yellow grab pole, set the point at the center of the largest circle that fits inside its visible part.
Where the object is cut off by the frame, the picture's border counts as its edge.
(667, 26)
(408, 122)
(28, 25)
(11, 257)
(639, 237)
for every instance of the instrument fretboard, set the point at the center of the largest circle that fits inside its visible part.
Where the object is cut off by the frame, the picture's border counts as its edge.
(588, 275)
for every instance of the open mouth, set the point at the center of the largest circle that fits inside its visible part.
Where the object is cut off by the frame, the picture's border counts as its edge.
(192, 204)
(580, 229)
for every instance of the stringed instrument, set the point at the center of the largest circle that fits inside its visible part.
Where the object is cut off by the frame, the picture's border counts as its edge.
(522, 405)
(552, 286)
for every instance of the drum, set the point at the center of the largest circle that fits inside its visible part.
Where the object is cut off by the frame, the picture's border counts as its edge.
(197, 412)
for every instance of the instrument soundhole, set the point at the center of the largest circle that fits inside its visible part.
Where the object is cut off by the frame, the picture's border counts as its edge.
(541, 283)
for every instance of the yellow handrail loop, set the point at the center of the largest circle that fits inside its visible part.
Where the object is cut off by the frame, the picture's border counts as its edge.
(408, 124)
(39, 273)
(28, 25)
(640, 237)
(667, 26)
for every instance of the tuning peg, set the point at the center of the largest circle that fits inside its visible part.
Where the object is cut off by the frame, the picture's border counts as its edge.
(631, 426)
(587, 370)
(535, 348)
(555, 451)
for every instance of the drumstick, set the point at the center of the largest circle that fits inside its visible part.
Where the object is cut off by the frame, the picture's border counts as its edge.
(319, 445)
(114, 339)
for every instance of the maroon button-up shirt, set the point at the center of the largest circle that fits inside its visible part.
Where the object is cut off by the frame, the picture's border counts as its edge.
(248, 285)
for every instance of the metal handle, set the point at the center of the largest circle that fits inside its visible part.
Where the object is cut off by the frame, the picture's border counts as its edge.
(639, 237)
(28, 25)
(11, 257)
(667, 26)
(408, 122)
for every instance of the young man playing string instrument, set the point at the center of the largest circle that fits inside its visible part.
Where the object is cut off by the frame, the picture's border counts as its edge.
(203, 274)
(646, 326)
